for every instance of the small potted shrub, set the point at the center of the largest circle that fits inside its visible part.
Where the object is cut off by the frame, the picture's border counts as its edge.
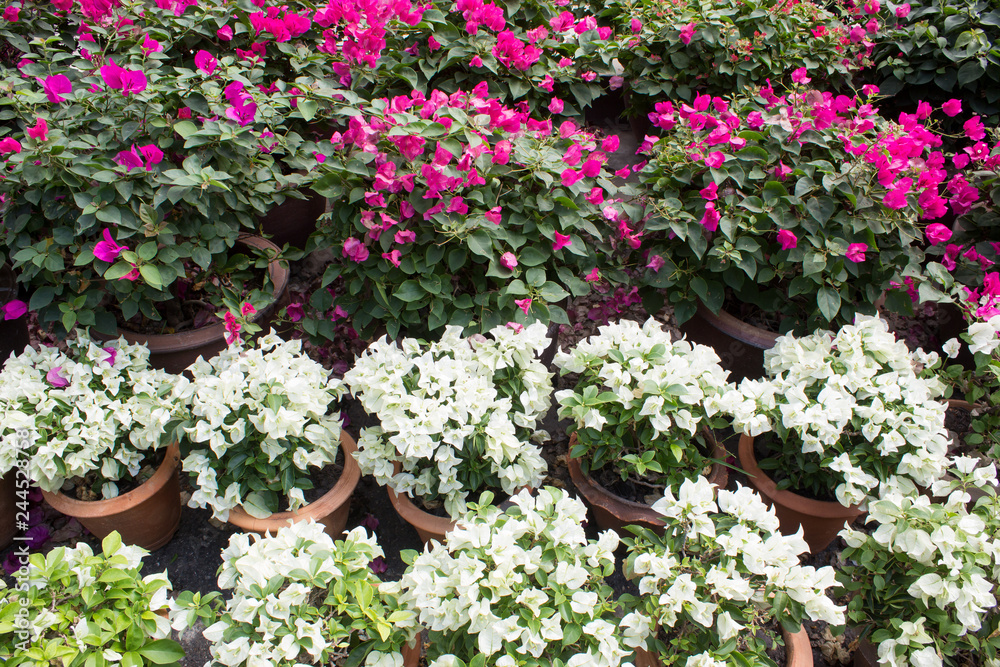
(458, 210)
(300, 598)
(922, 584)
(721, 582)
(538, 595)
(643, 409)
(840, 414)
(457, 418)
(95, 429)
(793, 209)
(82, 608)
(259, 420)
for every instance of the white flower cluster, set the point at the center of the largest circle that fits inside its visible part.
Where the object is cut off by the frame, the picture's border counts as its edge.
(452, 407)
(93, 408)
(635, 375)
(722, 562)
(853, 399)
(299, 598)
(983, 335)
(522, 583)
(269, 399)
(947, 558)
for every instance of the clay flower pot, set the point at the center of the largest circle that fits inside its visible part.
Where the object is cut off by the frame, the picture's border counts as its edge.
(429, 527)
(175, 352)
(331, 509)
(739, 345)
(147, 516)
(798, 652)
(821, 521)
(614, 512)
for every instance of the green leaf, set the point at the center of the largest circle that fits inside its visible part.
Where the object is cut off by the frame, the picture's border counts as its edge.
(185, 128)
(828, 300)
(162, 651)
(111, 543)
(480, 243)
(308, 109)
(409, 291)
(151, 275)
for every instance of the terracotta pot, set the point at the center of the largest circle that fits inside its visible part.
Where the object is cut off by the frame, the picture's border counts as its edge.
(330, 509)
(13, 333)
(293, 221)
(411, 654)
(613, 512)
(820, 521)
(866, 655)
(175, 352)
(8, 507)
(798, 651)
(428, 526)
(147, 516)
(739, 345)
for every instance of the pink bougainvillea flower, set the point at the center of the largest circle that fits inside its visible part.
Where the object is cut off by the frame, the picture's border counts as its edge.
(9, 145)
(952, 107)
(556, 105)
(636, 26)
(501, 152)
(152, 154)
(508, 260)
(937, 233)
(896, 198)
(247, 309)
(243, 113)
(715, 159)
(232, 328)
(523, 304)
(711, 192)
(573, 155)
(125, 80)
(591, 168)
(687, 32)
(11, 13)
(14, 309)
(903, 11)
(588, 76)
(562, 240)
(787, 239)
(518, 328)
(800, 75)
(112, 355)
(570, 177)
(974, 128)
(225, 33)
(655, 262)
(610, 144)
(494, 215)
(476, 61)
(596, 196)
(129, 159)
(150, 45)
(55, 378)
(711, 218)
(295, 311)
(108, 250)
(405, 236)
(355, 250)
(39, 131)
(56, 86)
(856, 252)
(594, 275)
(873, 7)
(393, 257)
(205, 62)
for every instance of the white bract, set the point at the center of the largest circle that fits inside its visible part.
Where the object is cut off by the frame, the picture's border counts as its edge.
(259, 418)
(456, 410)
(926, 577)
(850, 403)
(519, 585)
(299, 598)
(97, 408)
(720, 572)
(641, 402)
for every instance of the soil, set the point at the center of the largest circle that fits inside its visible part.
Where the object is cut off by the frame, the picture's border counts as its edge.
(323, 479)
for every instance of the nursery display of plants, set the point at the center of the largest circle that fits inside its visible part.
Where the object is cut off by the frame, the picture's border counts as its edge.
(499, 333)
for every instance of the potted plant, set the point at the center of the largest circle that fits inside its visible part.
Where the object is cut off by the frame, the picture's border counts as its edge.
(922, 584)
(460, 211)
(840, 414)
(457, 418)
(681, 50)
(79, 608)
(299, 598)
(139, 143)
(790, 208)
(99, 423)
(540, 595)
(642, 408)
(720, 582)
(259, 420)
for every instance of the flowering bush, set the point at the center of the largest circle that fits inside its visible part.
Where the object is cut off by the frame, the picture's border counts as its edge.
(299, 598)
(83, 608)
(460, 210)
(932, 51)
(141, 138)
(642, 404)
(520, 583)
(847, 411)
(96, 415)
(933, 564)
(723, 564)
(456, 415)
(544, 52)
(258, 420)
(679, 49)
(790, 202)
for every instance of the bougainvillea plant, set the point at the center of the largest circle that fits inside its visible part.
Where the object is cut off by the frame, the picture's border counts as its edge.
(806, 206)
(459, 210)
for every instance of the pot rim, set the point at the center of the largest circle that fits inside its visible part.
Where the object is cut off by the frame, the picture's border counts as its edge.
(413, 515)
(319, 508)
(737, 328)
(89, 509)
